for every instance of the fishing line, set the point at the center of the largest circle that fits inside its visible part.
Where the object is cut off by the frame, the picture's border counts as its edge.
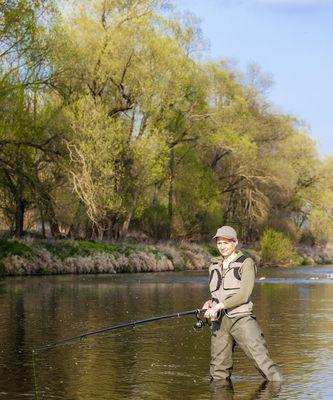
(35, 375)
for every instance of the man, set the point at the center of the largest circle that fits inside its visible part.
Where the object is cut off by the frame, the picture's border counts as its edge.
(231, 283)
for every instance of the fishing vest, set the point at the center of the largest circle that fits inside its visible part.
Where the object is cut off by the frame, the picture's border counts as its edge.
(224, 284)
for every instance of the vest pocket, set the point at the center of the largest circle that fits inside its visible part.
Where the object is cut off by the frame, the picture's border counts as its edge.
(230, 281)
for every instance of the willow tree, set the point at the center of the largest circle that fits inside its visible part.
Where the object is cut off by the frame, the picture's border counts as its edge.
(317, 213)
(142, 129)
(128, 86)
(249, 148)
(30, 152)
(26, 141)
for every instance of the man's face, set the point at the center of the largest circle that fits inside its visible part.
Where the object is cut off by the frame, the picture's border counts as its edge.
(226, 246)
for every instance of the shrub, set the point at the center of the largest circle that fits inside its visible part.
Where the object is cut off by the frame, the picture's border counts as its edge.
(277, 248)
(305, 261)
(15, 265)
(212, 251)
(14, 247)
(173, 256)
(142, 262)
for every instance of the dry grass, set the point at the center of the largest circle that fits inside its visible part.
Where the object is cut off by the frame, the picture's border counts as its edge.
(125, 258)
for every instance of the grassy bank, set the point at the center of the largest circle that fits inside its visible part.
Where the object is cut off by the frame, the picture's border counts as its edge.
(44, 257)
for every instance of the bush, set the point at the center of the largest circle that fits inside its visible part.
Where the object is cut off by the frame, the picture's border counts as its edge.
(305, 261)
(212, 251)
(14, 247)
(277, 248)
(307, 238)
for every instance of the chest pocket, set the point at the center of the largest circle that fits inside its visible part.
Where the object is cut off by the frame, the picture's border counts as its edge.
(232, 278)
(230, 281)
(215, 280)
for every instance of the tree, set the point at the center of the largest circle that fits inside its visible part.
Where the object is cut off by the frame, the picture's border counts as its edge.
(131, 74)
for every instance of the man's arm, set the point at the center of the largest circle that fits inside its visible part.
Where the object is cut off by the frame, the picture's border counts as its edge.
(242, 296)
(246, 286)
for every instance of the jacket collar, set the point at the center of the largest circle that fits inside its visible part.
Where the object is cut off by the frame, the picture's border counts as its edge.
(229, 260)
(219, 259)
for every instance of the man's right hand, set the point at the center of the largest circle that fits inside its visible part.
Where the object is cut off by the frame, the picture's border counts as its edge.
(207, 305)
(213, 312)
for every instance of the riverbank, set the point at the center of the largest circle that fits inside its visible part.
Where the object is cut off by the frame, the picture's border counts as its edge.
(45, 257)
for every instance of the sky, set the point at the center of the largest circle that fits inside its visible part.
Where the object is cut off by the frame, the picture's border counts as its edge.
(290, 39)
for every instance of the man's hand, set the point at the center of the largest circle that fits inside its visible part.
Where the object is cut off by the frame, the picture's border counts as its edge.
(207, 305)
(212, 311)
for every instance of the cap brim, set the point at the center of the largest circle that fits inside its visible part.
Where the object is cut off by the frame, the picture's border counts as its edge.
(225, 236)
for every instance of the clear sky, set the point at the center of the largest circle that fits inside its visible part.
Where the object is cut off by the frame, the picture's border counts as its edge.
(291, 39)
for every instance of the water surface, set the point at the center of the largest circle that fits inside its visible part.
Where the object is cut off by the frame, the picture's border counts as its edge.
(165, 359)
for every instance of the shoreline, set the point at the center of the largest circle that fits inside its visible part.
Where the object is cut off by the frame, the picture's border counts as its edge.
(26, 257)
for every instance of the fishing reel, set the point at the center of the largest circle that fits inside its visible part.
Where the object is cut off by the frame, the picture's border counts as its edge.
(199, 322)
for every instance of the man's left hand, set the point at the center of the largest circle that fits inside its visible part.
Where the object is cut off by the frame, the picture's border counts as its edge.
(212, 312)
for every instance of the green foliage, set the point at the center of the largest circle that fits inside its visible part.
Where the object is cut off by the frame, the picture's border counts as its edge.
(305, 261)
(63, 249)
(277, 248)
(14, 247)
(180, 267)
(155, 222)
(212, 250)
(106, 121)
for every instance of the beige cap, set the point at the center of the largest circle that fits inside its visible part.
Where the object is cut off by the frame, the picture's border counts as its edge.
(226, 232)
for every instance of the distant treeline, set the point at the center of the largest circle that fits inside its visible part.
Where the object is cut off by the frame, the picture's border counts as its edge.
(110, 122)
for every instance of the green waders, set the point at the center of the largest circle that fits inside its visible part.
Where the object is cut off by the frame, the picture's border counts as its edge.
(245, 332)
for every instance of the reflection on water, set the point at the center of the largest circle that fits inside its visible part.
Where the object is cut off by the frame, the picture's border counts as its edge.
(263, 391)
(165, 359)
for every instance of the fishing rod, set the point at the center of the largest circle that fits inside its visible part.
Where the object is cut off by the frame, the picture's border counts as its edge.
(197, 325)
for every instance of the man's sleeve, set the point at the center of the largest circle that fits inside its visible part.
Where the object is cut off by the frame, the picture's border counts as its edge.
(246, 286)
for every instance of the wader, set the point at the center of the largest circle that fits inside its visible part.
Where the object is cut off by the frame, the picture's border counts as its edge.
(237, 326)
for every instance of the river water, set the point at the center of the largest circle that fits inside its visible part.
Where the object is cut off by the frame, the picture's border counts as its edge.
(161, 360)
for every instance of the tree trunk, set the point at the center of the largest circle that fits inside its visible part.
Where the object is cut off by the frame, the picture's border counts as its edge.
(124, 226)
(20, 209)
(42, 221)
(100, 232)
(94, 233)
(112, 230)
(54, 226)
(157, 188)
(126, 223)
(19, 218)
(88, 229)
(51, 216)
(171, 190)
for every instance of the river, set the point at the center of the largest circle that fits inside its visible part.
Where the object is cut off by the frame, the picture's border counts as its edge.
(167, 359)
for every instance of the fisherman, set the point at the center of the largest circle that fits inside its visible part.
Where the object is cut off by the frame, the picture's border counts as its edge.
(230, 309)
